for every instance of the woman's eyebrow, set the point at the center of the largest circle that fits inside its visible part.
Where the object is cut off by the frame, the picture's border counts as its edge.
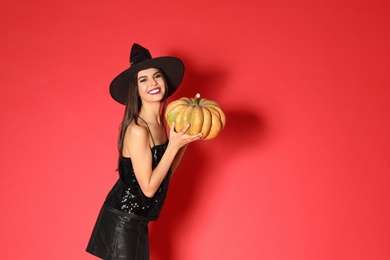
(145, 76)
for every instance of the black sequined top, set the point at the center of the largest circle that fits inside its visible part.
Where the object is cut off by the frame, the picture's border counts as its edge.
(127, 196)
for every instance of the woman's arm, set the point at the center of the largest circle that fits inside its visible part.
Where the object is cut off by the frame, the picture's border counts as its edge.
(137, 144)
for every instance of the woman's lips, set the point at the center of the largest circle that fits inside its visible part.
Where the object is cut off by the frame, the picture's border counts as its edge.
(154, 91)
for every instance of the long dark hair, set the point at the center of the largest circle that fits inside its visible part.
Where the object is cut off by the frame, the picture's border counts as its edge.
(133, 107)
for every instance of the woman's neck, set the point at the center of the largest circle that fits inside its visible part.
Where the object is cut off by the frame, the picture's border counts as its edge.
(151, 113)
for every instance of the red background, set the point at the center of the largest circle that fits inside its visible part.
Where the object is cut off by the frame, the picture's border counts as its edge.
(301, 170)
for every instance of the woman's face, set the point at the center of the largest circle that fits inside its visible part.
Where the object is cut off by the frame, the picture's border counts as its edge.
(151, 85)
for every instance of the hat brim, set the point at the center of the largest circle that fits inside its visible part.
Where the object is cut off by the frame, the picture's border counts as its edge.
(173, 69)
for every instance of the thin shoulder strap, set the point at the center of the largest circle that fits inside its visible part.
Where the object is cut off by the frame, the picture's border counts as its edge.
(150, 132)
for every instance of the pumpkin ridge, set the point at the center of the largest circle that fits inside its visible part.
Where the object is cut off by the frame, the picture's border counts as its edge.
(196, 120)
(216, 126)
(220, 114)
(207, 120)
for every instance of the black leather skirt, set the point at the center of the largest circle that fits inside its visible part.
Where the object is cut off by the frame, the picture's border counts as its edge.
(118, 235)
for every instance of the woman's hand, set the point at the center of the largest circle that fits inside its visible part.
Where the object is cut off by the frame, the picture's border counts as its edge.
(180, 139)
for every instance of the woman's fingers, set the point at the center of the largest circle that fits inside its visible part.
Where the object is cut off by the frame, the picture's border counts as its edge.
(181, 137)
(197, 137)
(172, 128)
(190, 138)
(185, 129)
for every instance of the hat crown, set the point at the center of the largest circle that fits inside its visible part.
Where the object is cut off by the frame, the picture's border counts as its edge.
(139, 54)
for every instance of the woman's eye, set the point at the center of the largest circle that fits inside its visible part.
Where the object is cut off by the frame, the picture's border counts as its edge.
(142, 80)
(158, 75)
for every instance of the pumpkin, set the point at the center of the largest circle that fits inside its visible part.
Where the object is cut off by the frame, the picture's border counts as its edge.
(203, 115)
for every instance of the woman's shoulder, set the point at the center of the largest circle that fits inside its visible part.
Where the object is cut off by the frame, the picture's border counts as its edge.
(136, 137)
(137, 131)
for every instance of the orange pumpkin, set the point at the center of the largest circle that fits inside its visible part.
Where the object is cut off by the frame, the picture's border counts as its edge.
(203, 115)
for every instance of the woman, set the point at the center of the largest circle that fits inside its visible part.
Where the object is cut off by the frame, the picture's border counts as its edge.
(147, 157)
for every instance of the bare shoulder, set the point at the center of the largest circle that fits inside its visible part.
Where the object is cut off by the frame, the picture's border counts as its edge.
(136, 136)
(136, 131)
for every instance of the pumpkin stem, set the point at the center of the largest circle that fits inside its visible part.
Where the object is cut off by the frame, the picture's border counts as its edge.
(196, 100)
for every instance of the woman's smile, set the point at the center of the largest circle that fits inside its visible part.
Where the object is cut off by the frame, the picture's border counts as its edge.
(155, 91)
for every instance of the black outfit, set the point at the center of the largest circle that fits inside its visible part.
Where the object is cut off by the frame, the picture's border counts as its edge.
(121, 230)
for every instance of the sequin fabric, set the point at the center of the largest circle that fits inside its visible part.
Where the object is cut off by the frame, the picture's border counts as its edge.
(127, 196)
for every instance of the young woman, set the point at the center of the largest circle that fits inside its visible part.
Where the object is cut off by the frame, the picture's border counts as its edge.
(147, 157)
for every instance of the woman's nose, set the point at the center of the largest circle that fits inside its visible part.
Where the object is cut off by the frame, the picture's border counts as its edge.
(154, 82)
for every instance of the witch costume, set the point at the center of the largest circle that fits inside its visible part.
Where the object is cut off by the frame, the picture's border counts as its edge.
(121, 229)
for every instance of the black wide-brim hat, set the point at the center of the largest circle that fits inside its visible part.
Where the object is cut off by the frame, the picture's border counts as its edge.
(140, 59)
